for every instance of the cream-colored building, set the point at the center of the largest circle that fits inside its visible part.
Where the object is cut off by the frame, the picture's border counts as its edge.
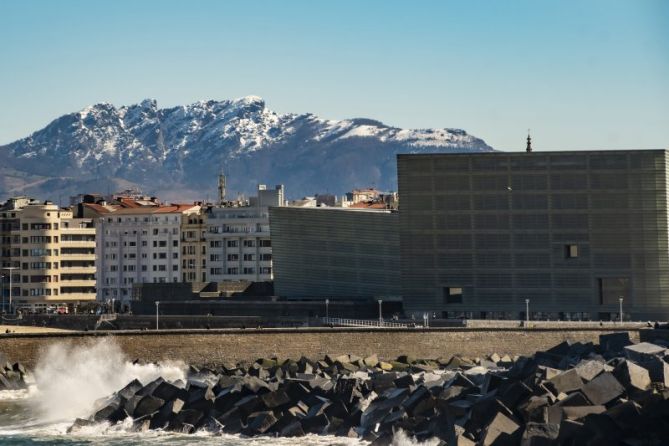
(194, 248)
(52, 253)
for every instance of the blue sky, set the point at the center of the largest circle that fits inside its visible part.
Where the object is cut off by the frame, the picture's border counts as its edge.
(581, 74)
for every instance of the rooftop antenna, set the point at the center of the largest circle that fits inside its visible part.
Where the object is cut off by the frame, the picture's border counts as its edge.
(528, 149)
(221, 189)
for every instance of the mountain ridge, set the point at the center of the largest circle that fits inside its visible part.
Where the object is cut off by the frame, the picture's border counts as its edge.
(178, 151)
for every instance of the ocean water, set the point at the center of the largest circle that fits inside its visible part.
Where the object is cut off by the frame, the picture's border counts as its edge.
(67, 382)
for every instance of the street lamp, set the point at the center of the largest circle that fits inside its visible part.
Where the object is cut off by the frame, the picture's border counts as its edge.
(327, 310)
(527, 310)
(10, 269)
(157, 304)
(380, 316)
(620, 300)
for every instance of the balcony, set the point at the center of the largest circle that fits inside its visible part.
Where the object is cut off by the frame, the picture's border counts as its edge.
(78, 270)
(78, 283)
(78, 243)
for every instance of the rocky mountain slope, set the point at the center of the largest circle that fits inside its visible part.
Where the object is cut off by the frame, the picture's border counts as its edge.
(178, 152)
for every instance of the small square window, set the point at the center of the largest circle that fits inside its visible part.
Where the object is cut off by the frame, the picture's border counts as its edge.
(453, 295)
(571, 251)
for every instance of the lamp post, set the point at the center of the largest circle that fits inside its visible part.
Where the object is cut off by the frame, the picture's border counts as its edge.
(157, 304)
(620, 300)
(327, 310)
(10, 269)
(527, 310)
(380, 313)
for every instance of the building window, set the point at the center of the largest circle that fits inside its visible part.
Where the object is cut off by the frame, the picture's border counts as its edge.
(232, 243)
(453, 295)
(249, 243)
(571, 251)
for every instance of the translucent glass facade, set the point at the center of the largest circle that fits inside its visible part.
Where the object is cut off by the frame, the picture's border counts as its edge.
(572, 231)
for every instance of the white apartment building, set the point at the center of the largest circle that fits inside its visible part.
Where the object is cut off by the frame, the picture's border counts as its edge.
(139, 245)
(238, 238)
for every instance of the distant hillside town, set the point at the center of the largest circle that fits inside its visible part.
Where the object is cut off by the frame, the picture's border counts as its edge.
(106, 248)
(515, 235)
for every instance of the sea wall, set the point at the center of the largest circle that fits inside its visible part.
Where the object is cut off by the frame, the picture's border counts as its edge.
(215, 347)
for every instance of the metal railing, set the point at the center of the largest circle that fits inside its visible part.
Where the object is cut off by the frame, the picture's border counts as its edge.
(361, 323)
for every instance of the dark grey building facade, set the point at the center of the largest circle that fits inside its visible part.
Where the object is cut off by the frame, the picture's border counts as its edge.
(335, 253)
(573, 232)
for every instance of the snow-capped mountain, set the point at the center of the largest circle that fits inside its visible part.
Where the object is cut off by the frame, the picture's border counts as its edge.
(178, 152)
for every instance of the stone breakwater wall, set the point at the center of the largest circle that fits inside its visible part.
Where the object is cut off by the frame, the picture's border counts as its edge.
(218, 347)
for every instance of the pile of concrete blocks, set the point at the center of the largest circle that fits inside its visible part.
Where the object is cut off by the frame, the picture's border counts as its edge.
(572, 394)
(13, 376)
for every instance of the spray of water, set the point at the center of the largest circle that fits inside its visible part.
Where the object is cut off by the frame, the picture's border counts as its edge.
(400, 438)
(71, 377)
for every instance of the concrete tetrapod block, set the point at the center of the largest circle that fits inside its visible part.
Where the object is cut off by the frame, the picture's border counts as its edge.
(533, 409)
(259, 423)
(130, 389)
(166, 391)
(643, 350)
(603, 389)
(566, 382)
(147, 405)
(275, 399)
(614, 342)
(658, 369)
(631, 375)
(150, 387)
(589, 369)
(294, 429)
(540, 434)
(112, 411)
(500, 431)
(578, 412)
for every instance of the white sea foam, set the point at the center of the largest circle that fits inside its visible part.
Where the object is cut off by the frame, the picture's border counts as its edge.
(71, 377)
(402, 439)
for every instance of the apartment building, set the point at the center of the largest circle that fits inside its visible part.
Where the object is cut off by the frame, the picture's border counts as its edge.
(140, 245)
(51, 253)
(238, 238)
(194, 248)
(566, 234)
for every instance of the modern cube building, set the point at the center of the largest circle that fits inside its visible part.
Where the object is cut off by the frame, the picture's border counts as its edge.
(335, 253)
(566, 234)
